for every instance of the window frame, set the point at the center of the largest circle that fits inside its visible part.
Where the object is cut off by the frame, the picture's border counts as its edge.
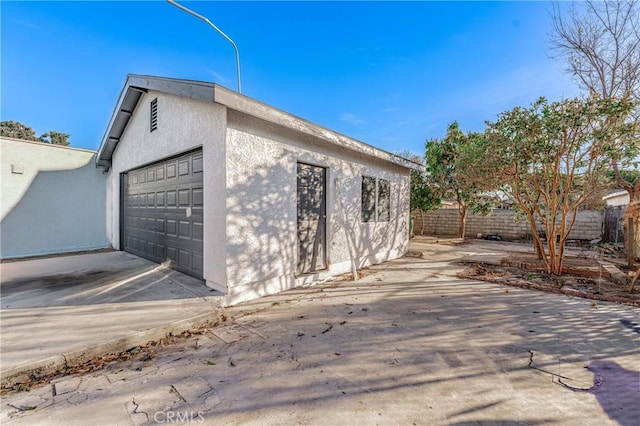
(375, 199)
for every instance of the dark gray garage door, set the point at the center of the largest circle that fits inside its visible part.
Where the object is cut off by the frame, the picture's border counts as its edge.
(163, 212)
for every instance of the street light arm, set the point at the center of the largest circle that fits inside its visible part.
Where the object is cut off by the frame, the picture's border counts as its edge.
(235, 48)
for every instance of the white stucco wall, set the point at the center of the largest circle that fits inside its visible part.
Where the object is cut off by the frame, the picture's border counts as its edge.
(620, 198)
(183, 125)
(52, 200)
(250, 178)
(261, 207)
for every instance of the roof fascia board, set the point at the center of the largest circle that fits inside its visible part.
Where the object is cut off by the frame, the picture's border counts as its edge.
(109, 141)
(192, 89)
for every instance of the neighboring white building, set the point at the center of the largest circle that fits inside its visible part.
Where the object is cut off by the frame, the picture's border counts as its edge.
(52, 199)
(618, 198)
(247, 197)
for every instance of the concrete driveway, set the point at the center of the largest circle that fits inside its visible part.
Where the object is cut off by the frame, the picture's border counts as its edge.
(63, 310)
(409, 344)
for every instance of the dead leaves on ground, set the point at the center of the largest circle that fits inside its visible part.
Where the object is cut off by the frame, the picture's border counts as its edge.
(141, 353)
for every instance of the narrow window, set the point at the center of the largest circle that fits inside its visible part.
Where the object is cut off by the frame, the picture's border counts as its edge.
(376, 199)
(154, 115)
(368, 199)
(384, 200)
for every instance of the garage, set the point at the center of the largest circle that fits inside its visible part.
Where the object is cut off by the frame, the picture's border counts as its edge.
(163, 212)
(284, 204)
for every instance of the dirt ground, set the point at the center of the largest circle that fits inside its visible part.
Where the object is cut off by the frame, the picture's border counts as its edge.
(584, 276)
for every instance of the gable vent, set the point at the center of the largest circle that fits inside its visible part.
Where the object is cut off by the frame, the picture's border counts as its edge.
(154, 114)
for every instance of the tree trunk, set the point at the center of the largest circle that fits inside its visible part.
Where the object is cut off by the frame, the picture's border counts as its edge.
(538, 248)
(537, 243)
(463, 222)
(554, 264)
(421, 222)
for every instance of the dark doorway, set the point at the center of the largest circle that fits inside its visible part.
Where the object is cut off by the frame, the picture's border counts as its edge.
(312, 218)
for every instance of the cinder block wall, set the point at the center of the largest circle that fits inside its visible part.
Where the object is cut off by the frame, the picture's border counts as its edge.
(444, 223)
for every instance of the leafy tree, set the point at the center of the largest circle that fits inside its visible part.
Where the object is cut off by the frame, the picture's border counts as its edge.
(450, 167)
(600, 43)
(630, 176)
(55, 138)
(422, 198)
(17, 130)
(550, 158)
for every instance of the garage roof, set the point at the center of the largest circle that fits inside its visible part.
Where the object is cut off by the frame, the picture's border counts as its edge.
(136, 85)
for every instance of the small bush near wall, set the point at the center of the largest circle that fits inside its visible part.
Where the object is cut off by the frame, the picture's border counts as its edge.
(444, 223)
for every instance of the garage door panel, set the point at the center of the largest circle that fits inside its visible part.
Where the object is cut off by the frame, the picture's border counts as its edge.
(172, 254)
(183, 198)
(197, 231)
(183, 168)
(172, 228)
(171, 198)
(198, 197)
(183, 229)
(184, 259)
(163, 212)
(171, 171)
(197, 262)
(197, 164)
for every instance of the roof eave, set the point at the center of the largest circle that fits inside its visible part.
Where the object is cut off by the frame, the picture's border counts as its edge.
(136, 85)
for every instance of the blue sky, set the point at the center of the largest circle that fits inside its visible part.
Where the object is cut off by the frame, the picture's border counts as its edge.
(391, 74)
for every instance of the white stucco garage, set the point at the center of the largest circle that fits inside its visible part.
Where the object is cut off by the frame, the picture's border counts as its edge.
(245, 196)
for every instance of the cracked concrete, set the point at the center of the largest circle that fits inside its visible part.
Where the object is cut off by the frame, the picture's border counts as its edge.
(407, 344)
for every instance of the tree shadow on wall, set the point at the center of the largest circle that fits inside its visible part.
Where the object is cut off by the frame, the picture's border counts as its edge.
(261, 228)
(262, 242)
(365, 241)
(60, 211)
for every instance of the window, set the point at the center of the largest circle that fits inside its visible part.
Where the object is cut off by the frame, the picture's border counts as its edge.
(376, 199)
(384, 200)
(153, 115)
(368, 199)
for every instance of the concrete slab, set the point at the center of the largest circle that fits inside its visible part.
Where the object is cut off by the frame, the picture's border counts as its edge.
(62, 311)
(409, 343)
